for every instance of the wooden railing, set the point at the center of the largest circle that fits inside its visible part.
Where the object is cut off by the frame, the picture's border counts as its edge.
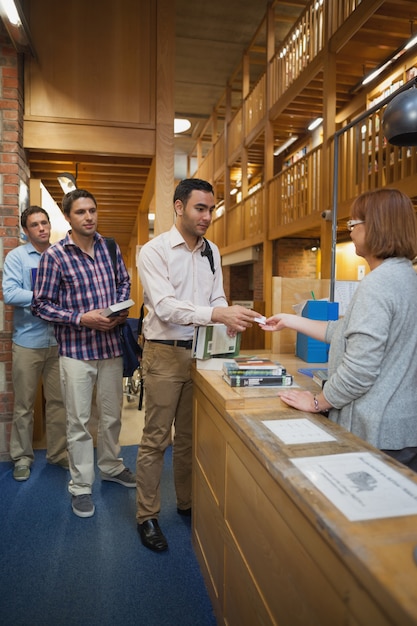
(219, 154)
(367, 161)
(245, 220)
(205, 169)
(339, 11)
(235, 136)
(295, 192)
(255, 106)
(302, 45)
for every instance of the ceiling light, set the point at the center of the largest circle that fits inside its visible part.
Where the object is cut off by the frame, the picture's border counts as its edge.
(285, 145)
(233, 191)
(315, 123)
(67, 182)
(314, 246)
(181, 125)
(11, 11)
(394, 57)
(14, 20)
(411, 43)
(376, 73)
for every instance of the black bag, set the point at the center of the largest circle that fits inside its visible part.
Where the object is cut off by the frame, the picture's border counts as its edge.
(129, 332)
(131, 350)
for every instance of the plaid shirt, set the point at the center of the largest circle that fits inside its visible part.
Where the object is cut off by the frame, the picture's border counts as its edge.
(70, 283)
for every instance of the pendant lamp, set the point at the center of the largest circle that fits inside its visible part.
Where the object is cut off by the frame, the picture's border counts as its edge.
(399, 122)
(67, 181)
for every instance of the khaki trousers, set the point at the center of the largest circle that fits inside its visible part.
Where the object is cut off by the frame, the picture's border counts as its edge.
(78, 379)
(168, 402)
(29, 366)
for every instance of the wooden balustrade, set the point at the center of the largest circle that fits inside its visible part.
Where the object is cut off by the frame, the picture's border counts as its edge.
(295, 192)
(302, 45)
(235, 137)
(367, 161)
(255, 106)
(219, 154)
(303, 190)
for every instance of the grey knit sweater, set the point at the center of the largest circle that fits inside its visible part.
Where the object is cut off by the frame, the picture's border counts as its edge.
(373, 359)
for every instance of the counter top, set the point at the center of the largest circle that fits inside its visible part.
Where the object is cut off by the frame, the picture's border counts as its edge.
(380, 552)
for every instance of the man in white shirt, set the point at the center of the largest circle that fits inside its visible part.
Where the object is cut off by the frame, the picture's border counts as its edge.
(183, 287)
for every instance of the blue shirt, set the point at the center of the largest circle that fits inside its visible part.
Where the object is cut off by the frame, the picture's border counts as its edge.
(70, 283)
(28, 331)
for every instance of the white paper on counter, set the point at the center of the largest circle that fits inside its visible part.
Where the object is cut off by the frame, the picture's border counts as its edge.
(360, 485)
(298, 431)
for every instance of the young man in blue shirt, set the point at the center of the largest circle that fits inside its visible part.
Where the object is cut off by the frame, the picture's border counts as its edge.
(35, 351)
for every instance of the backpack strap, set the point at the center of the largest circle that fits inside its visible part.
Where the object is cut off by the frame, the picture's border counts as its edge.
(111, 246)
(208, 252)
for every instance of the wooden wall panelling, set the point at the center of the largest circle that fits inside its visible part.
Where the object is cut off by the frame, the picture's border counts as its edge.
(285, 293)
(114, 45)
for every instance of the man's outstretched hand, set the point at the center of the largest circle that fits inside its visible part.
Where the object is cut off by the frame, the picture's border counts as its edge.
(237, 318)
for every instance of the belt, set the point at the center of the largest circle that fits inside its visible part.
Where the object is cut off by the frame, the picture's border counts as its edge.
(178, 343)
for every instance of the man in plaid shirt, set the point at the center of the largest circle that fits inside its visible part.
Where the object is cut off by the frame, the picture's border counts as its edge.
(75, 282)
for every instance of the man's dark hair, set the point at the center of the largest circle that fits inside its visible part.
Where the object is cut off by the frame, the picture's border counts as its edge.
(30, 211)
(74, 195)
(186, 186)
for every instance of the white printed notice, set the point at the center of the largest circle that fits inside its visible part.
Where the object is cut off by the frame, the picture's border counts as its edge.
(297, 431)
(360, 485)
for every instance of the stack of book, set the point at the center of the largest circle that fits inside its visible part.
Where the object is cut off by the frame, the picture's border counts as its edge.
(255, 372)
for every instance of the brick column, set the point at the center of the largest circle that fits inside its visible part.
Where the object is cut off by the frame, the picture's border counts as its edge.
(13, 178)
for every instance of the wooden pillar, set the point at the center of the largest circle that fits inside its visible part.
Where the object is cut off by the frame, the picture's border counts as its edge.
(329, 128)
(164, 152)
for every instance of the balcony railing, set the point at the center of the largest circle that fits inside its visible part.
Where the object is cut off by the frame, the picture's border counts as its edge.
(255, 106)
(295, 192)
(304, 189)
(367, 161)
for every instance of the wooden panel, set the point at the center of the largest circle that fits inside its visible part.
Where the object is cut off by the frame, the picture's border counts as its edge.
(208, 537)
(92, 138)
(209, 445)
(275, 540)
(115, 42)
(253, 338)
(289, 291)
(243, 603)
(235, 225)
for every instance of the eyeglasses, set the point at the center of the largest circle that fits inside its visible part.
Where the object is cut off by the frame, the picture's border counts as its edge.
(352, 223)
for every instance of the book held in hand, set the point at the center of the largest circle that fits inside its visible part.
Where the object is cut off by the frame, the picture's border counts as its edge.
(213, 340)
(114, 309)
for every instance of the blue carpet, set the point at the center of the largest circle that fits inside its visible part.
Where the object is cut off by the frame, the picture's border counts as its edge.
(59, 570)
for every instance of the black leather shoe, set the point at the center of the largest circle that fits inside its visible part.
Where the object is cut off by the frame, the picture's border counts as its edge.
(185, 512)
(151, 536)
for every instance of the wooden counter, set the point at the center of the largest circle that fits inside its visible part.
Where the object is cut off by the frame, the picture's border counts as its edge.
(272, 548)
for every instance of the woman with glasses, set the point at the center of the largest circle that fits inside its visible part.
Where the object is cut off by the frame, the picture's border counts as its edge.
(372, 385)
